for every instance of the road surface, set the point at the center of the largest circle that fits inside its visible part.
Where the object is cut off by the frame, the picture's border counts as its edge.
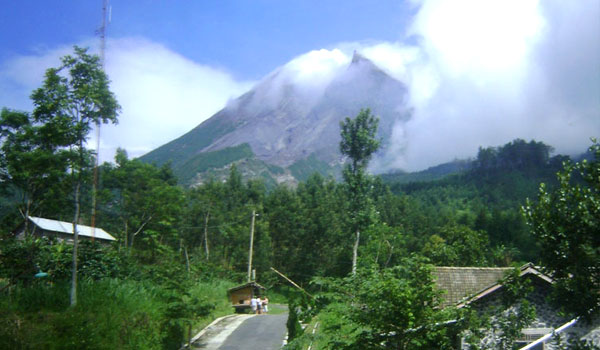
(248, 332)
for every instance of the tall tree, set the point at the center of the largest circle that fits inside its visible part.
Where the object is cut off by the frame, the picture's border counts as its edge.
(73, 98)
(141, 197)
(566, 223)
(30, 164)
(359, 142)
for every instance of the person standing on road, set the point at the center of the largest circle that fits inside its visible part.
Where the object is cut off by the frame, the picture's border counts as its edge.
(265, 303)
(254, 305)
(259, 301)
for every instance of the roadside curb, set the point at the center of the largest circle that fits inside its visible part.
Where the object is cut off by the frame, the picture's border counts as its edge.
(205, 329)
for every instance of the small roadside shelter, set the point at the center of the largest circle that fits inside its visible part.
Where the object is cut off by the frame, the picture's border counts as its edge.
(63, 231)
(240, 296)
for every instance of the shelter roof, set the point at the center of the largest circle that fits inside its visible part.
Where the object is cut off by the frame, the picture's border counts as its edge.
(67, 228)
(249, 284)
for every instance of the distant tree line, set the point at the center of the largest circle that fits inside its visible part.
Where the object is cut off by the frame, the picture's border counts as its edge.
(515, 155)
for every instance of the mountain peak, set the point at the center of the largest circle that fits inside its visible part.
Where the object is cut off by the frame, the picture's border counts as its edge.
(358, 58)
(361, 63)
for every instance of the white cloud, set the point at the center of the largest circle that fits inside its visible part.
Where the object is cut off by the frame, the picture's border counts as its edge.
(20, 75)
(492, 71)
(479, 36)
(162, 94)
(484, 72)
(317, 68)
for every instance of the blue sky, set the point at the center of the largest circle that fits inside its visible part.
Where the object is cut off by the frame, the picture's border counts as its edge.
(248, 38)
(478, 72)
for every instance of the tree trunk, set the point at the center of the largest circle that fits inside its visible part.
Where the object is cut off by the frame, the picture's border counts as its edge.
(390, 254)
(355, 252)
(125, 242)
(77, 174)
(26, 217)
(75, 245)
(138, 231)
(131, 242)
(206, 234)
(187, 260)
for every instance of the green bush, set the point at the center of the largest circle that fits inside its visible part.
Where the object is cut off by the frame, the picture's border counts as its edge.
(111, 314)
(293, 324)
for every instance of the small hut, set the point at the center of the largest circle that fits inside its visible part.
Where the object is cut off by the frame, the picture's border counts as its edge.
(240, 296)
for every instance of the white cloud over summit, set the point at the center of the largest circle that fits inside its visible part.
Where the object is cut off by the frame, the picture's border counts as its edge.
(316, 68)
(484, 72)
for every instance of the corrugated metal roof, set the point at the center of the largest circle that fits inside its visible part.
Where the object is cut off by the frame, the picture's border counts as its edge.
(67, 227)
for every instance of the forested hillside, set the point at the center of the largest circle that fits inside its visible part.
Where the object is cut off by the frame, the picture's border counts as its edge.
(171, 237)
(487, 197)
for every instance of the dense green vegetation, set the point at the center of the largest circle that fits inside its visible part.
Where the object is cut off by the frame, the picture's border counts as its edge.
(207, 160)
(184, 148)
(178, 249)
(566, 222)
(304, 168)
(463, 220)
(122, 304)
(487, 199)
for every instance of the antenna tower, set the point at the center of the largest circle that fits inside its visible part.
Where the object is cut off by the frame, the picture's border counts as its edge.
(102, 32)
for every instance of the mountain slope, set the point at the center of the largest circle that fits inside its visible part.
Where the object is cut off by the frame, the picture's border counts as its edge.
(287, 124)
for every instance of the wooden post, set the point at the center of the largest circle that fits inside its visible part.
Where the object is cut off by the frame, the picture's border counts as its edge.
(251, 246)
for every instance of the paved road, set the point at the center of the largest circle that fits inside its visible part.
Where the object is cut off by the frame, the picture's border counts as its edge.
(248, 332)
(263, 332)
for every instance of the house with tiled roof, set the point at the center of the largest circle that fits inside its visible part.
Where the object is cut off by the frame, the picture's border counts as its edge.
(481, 288)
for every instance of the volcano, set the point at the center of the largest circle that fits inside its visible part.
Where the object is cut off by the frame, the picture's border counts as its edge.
(283, 131)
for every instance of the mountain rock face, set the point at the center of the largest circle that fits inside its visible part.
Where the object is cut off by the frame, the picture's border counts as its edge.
(287, 130)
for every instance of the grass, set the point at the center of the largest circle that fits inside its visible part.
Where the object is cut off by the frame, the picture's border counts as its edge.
(277, 309)
(110, 314)
(215, 292)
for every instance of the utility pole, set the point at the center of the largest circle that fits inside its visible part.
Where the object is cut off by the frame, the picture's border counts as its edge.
(251, 246)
